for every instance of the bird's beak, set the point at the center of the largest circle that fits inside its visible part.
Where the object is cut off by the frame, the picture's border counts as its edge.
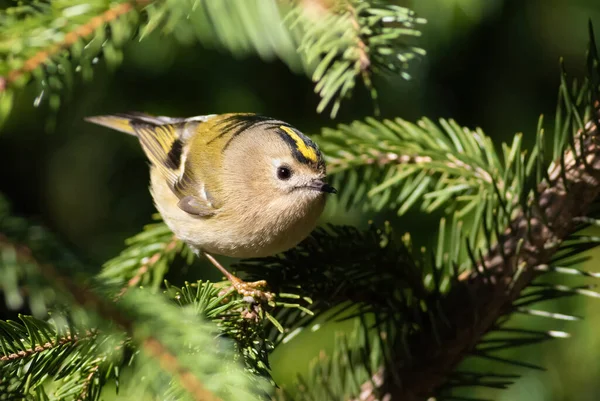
(322, 186)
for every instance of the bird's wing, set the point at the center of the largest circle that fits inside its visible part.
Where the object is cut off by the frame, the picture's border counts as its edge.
(164, 141)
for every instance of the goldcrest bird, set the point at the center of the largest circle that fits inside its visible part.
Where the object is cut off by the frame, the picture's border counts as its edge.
(238, 185)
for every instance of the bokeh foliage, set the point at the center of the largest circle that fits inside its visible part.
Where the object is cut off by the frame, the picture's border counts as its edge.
(490, 64)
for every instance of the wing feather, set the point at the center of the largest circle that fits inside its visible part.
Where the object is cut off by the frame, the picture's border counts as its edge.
(158, 142)
(163, 140)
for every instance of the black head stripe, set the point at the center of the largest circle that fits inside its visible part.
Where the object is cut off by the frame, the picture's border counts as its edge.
(239, 123)
(300, 145)
(306, 152)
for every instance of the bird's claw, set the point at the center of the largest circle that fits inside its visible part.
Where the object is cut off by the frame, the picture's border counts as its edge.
(253, 291)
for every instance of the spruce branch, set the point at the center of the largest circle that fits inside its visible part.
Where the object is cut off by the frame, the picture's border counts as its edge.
(433, 165)
(87, 383)
(170, 363)
(430, 331)
(41, 41)
(439, 325)
(146, 259)
(336, 43)
(62, 347)
(80, 295)
(398, 165)
(328, 270)
(52, 48)
(363, 57)
(148, 264)
(168, 336)
(499, 277)
(245, 323)
(347, 40)
(33, 349)
(336, 375)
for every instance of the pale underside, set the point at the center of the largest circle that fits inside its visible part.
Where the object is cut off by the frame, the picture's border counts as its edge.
(266, 227)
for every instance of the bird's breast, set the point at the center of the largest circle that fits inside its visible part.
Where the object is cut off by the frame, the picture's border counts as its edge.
(241, 230)
(261, 232)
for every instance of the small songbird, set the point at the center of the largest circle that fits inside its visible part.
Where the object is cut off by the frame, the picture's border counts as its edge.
(238, 185)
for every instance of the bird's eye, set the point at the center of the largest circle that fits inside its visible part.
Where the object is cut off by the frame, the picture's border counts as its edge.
(284, 173)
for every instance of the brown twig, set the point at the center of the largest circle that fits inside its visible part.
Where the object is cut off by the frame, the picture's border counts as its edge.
(363, 56)
(87, 382)
(317, 9)
(531, 240)
(108, 311)
(40, 348)
(147, 265)
(170, 363)
(82, 31)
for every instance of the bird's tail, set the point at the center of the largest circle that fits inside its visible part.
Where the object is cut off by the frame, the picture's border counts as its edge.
(118, 122)
(124, 122)
(158, 136)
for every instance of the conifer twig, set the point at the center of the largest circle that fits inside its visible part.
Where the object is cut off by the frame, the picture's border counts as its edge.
(68, 339)
(317, 8)
(169, 363)
(87, 382)
(69, 39)
(108, 311)
(147, 265)
(531, 240)
(363, 56)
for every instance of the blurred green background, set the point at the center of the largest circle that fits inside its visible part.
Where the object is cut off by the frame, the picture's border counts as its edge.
(490, 63)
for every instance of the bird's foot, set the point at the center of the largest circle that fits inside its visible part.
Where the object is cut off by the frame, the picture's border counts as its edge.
(253, 291)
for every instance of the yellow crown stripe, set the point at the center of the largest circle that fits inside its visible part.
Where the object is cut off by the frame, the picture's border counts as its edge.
(305, 150)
